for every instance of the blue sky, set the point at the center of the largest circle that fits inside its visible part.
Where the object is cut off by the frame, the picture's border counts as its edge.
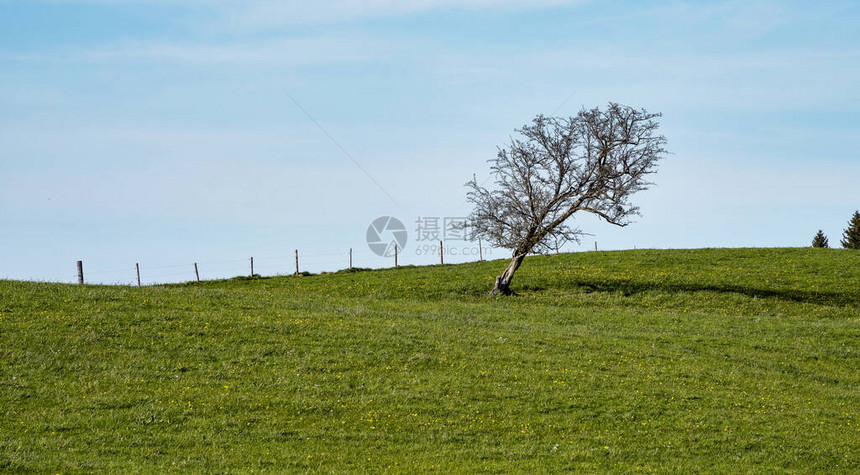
(163, 132)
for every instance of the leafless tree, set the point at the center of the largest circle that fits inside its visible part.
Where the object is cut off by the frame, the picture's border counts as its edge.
(592, 163)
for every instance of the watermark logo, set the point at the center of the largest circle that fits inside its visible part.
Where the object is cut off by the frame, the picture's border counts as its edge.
(384, 233)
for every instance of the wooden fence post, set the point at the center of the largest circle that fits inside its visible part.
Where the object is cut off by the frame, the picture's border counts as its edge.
(350, 258)
(137, 269)
(297, 262)
(80, 272)
(252, 266)
(196, 272)
(395, 255)
(441, 256)
(480, 251)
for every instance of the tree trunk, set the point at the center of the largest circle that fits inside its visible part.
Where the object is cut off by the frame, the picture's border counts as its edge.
(503, 282)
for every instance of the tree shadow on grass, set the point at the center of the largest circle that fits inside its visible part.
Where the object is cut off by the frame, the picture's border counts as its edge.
(628, 288)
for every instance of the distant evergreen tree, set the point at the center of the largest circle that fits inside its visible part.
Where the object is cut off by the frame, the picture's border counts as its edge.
(820, 240)
(851, 236)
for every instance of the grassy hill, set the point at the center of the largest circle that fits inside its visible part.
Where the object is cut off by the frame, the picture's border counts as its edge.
(723, 360)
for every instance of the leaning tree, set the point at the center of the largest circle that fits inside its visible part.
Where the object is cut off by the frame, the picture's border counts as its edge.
(557, 167)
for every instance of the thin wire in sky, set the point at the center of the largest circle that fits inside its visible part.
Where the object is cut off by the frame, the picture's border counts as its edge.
(354, 161)
(563, 103)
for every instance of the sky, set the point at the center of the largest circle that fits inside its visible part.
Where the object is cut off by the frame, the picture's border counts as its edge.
(166, 132)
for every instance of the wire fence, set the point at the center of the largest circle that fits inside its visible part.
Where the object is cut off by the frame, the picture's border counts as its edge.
(298, 262)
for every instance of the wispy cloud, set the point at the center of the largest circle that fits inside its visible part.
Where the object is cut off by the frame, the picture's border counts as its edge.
(255, 14)
(261, 13)
(316, 50)
(762, 79)
(272, 51)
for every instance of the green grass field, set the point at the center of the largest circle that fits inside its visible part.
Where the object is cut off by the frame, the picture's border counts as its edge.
(740, 360)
